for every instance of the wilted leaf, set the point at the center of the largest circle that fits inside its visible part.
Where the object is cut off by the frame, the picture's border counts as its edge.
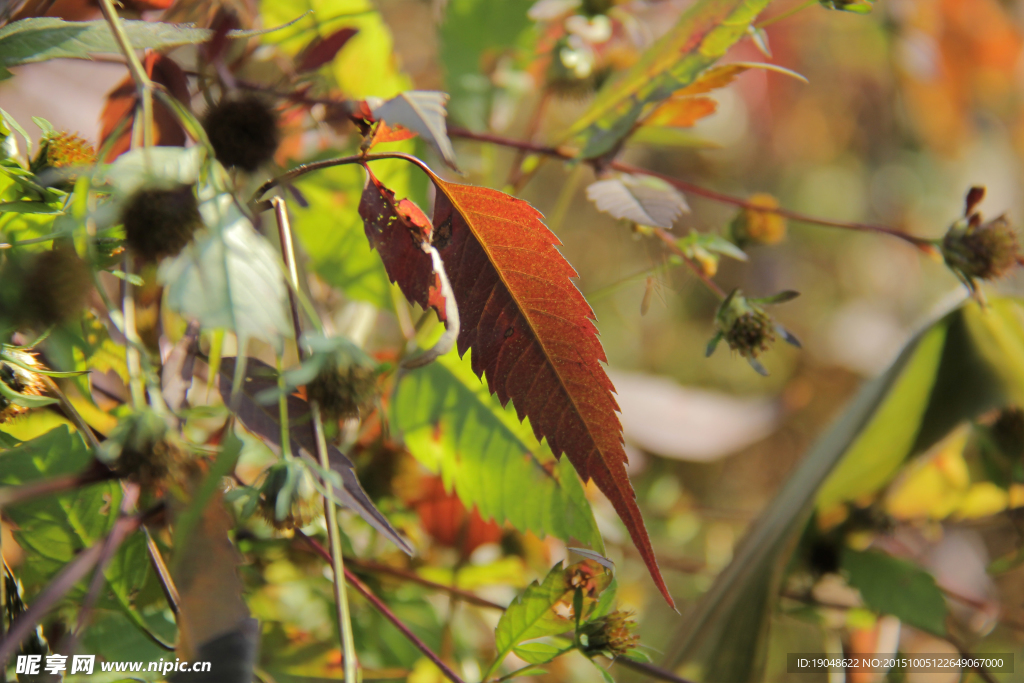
(703, 34)
(893, 586)
(533, 336)
(421, 111)
(323, 50)
(641, 199)
(263, 421)
(229, 277)
(452, 424)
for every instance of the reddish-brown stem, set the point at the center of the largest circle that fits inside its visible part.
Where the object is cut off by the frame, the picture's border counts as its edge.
(385, 611)
(413, 577)
(919, 242)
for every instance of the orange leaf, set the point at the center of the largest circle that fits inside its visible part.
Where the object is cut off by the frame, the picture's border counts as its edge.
(533, 336)
(393, 133)
(123, 100)
(714, 78)
(681, 112)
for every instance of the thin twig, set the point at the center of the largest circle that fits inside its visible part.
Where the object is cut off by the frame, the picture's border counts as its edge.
(72, 413)
(568, 155)
(386, 612)
(670, 242)
(652, 670)
(348, 647)
(413, 577)
(163, 574)
(12, 495)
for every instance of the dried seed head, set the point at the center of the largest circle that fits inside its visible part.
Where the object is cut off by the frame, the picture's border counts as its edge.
(140, 448)
(761, 227)
(53, 288)
(343, 391)
(612, 635)
(19, 377)
(243, 132)
(1008, 432)
(288, 499)
(981, 250)
(160, 223)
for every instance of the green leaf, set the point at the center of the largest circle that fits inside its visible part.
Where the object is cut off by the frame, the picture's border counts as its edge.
(54, 529)
(453, 425)
(14, 126)
(967, 362)
(893, 586)
(712, 242)
(38, 39)
(229, 277)
(532, 615)
(540, 652)
(30, 207)
(158, 167)
(701, 36)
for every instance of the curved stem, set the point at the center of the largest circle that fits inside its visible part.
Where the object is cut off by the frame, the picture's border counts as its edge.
(303, 169)
(139, 75)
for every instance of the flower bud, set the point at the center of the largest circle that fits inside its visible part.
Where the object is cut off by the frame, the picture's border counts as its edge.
(140, 449)
(62, 150)
(19, 377)
(760, 227)
(45, 288)
(745, 326)
(611, 635)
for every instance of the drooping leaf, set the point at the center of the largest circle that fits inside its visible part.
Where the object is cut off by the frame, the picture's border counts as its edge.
(323, 50)
(641, 199)
(893, 586)
(421, 111)
(396, 228)
(703, 34)
(965, 363)
(263, 421)
(533, 336)
(454, 426)
(332, 233)
(229, 277)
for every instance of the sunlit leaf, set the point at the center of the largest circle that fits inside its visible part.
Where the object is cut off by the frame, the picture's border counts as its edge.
(454, 426)
(423, 112)
(229, 277)
(641, 199)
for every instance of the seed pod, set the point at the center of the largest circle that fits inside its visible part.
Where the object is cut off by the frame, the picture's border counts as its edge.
(21, 379)
(159, 223)
(288, 499)
(243, 132)
(53, 287)
(981, 250)
(342, 391)
(611, 635)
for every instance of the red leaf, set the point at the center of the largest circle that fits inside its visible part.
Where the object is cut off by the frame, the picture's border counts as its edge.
(122, 102)
(321, 51)
(396, 230)
(224, 21)
(531, 331)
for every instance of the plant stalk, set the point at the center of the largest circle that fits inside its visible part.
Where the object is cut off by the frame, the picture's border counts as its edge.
(348, 647)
